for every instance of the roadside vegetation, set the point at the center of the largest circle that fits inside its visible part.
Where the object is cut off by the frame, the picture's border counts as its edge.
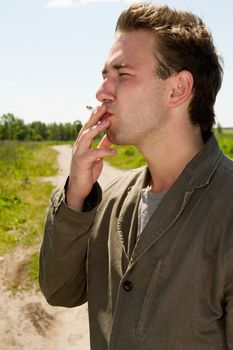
(23, 197)
(14, 128)
(225, 139)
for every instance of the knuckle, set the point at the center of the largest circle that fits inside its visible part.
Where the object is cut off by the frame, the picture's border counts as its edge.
(84, 135)
(95, 153)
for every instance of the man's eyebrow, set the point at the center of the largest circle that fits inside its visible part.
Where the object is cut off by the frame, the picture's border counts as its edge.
(116, 66)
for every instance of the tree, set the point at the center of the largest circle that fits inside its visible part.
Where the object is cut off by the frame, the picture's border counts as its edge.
(13, 128)
(219, 128)
(37, 131)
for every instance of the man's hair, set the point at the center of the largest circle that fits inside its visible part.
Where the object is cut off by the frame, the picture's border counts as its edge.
(183, 43)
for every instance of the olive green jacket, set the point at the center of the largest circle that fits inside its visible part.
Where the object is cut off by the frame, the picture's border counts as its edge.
(173, 289)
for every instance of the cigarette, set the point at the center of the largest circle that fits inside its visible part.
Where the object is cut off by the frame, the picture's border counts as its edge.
(90, 108)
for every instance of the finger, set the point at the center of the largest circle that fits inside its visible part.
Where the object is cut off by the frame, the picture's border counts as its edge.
(100, 153)
(88, 159)
(95, 117)
(104, 142)
(84, 142)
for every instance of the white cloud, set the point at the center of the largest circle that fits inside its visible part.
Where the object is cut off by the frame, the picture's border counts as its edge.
(84, 2)
(75, 3)
(8, 84)
(60, 3)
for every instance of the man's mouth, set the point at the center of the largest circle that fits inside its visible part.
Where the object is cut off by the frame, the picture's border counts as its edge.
(105, 116)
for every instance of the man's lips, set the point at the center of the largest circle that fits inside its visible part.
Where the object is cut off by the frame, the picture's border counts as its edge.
(105, 116)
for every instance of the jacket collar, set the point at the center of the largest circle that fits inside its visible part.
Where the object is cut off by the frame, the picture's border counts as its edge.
(200, 169)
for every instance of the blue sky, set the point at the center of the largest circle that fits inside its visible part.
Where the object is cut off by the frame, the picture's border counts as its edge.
(52, 53)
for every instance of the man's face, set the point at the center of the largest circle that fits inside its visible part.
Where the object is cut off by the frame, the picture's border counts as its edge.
(132, 92)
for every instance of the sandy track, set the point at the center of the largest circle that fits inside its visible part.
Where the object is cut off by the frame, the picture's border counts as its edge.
(26, 320)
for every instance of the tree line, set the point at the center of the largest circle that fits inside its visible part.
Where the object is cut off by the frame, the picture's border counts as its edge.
(13, 128)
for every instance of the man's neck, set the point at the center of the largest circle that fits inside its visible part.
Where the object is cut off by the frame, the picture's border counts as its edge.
(167, 160)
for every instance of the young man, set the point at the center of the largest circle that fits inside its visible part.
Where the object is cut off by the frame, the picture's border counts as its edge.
(153, 253)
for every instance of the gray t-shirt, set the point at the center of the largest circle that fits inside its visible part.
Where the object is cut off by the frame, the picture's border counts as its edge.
(149, 202)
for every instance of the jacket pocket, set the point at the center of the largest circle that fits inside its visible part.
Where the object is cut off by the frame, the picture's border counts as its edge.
(149, 301)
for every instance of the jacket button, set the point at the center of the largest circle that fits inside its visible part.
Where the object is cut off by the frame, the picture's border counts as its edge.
(128, 286)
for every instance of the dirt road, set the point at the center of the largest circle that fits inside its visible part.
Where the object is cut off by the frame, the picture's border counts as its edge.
(26, 320)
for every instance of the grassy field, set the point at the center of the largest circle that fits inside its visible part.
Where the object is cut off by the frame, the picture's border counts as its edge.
(23, 197)
(225, 139)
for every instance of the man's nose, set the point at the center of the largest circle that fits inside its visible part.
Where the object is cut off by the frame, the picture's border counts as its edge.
(106, 91)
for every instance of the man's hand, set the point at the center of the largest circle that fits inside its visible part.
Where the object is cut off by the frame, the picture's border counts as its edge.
(87, 163)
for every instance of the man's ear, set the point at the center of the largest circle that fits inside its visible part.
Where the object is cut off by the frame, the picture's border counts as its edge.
(181, 88)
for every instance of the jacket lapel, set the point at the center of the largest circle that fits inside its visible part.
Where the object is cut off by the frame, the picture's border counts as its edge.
(163, 218)
(127, 222)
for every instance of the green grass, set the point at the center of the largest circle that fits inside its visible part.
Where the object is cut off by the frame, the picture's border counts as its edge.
(225, 139)
(127, 157)
(23, 202)
(23, 197)
(33, 268)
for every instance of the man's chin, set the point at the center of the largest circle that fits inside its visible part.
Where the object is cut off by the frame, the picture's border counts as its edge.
(117, 138)
(111, 136)
(114, 138)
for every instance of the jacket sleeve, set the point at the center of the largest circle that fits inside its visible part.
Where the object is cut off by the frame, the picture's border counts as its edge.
(229, 294)
(62, 265)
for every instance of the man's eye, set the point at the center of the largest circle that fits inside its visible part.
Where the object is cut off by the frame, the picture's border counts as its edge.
(121, 74)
